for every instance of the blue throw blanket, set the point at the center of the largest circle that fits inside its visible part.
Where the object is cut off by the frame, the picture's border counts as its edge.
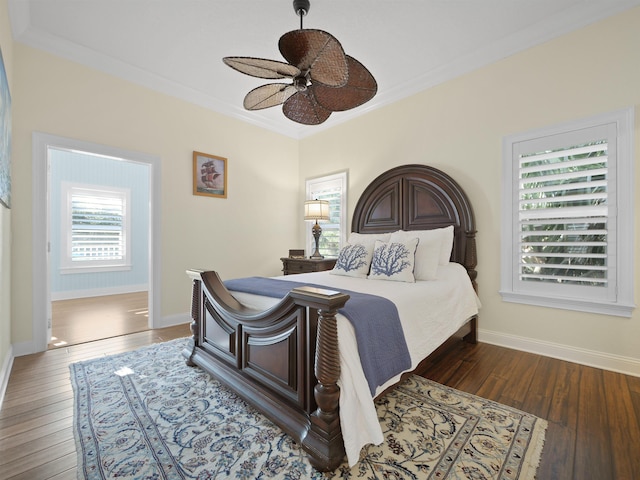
(381, 344)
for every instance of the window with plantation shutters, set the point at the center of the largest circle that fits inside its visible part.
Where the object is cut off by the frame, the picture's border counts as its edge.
(97, 224)
(563, 215)
(332, 188)
(568, 223)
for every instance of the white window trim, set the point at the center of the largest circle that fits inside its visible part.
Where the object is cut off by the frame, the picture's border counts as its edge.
(310, 183)
(623, 304)
(67, 266)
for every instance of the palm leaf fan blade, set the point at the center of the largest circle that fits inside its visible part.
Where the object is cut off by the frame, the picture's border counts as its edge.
(261, 67)
(268, 95)
(317, 52)
(303, 108)
(360, 88)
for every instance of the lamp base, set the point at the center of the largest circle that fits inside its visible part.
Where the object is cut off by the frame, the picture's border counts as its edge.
(316, 230)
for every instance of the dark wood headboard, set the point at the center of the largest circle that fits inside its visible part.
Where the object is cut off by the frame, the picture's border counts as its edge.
(419, 197)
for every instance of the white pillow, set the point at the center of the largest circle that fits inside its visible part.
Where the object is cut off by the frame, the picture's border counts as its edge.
(354, 260)
(368, 238)
(394, 261)
(447, 244)
(427, 252)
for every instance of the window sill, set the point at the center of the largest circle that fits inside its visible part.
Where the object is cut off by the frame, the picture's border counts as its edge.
(603, 308)
(94, 269)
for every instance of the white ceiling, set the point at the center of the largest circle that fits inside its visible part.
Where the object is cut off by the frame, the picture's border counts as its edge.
(176, 46)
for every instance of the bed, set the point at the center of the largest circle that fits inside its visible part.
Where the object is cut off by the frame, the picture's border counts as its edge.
(283, 356)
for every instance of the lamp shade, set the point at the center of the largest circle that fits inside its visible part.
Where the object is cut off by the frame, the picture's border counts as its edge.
(316, 210)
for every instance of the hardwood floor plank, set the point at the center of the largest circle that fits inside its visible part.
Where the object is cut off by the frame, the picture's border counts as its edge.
(541, 388)
(558, 454)
(37, 444)
(42, 465)
(27, 436)
(71, 474)
(560, 444)
(483, 359)
(593, 457)
(621, 415)
(29, 406)
(36, 423)
(34, 414)
(522, 372)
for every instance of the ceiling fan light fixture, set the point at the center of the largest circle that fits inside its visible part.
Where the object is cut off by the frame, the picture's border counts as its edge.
(324, 78)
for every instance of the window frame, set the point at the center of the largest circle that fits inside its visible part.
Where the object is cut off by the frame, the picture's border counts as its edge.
(67, 264)
(618, 299)
(316, 183)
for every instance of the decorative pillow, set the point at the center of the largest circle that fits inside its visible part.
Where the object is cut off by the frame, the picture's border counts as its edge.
(427, 252)
(354, 260)
(394, 261)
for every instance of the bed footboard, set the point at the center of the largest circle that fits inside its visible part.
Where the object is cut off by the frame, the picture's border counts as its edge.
(284, 361)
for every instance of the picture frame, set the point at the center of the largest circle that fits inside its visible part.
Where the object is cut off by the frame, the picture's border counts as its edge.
(5, 137)
(209, 175)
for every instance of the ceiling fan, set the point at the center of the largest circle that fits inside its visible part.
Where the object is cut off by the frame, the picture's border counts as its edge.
(324, 78)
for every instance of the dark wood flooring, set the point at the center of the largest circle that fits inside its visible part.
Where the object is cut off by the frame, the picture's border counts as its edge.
(593, 415)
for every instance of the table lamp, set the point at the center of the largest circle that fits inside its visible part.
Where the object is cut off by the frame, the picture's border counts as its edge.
(316, 210)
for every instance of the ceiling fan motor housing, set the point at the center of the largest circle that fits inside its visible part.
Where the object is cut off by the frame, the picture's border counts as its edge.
(301, 7)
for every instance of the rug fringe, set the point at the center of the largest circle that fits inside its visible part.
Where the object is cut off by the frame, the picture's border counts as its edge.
(531, 460)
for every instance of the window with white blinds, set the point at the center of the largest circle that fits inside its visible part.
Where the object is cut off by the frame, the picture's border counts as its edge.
(97, 227)
(568, 224)
(332, 188)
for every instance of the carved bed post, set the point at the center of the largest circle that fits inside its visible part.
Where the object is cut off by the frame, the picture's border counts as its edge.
(471, 258)
(325, 421)
(470, 263)
(324, 439)
(196, 291)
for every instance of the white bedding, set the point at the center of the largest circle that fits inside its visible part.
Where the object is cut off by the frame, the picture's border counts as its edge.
(430, 312)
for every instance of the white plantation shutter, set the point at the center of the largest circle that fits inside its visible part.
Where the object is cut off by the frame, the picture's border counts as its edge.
(563, 211)
(568, 219)
(97, 227)
(97, 224)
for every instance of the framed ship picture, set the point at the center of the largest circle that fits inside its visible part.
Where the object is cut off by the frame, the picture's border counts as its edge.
(5, 136)
(209, 175)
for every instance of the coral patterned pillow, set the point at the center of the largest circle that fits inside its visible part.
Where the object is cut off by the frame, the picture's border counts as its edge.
(354, 261)
(394, 261)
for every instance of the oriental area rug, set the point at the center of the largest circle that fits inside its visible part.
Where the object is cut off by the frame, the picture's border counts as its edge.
(146, 415)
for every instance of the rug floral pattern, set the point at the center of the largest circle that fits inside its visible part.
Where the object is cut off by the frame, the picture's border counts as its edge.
(146, 415)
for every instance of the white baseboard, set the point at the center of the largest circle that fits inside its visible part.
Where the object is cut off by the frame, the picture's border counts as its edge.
(24, 348)
(592, 358)
(5, 372)
(98, 292)
(172, 320)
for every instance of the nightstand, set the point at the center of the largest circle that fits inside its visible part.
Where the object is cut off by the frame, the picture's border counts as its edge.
(291, 266)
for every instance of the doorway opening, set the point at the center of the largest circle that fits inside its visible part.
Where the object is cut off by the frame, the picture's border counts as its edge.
(99, 258)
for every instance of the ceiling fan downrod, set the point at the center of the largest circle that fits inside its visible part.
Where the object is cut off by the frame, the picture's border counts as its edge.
(301, 7)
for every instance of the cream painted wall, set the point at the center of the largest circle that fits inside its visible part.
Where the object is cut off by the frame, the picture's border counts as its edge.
(237, 236)
(459, 126)
(6, 45)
